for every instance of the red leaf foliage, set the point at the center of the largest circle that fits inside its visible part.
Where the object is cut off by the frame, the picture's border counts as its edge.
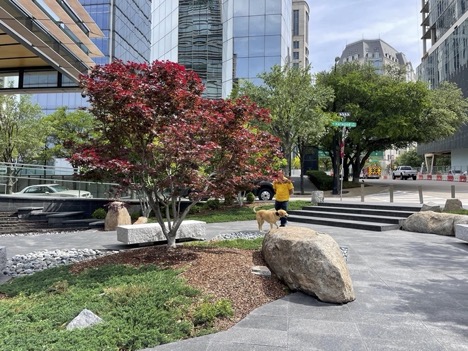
(158, 132)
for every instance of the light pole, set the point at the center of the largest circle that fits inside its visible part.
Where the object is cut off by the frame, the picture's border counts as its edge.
(335, 144)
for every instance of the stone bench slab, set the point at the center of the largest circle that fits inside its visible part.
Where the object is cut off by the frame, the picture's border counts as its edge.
(152, 232)
(461, 231)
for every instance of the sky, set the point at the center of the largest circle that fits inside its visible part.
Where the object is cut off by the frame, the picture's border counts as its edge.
(336, 23)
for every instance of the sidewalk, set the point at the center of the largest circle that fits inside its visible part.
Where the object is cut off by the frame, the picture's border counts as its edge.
(411, 294)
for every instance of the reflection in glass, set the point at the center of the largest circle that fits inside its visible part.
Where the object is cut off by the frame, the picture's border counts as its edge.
(257, 25)
(201, 42)
(257, 46)
(273, 7)
(273, 25)
(273, 45)
(241, 26)
(241, 7)
(256, 66)
(257, 7)
(241, 47)
(242, 67)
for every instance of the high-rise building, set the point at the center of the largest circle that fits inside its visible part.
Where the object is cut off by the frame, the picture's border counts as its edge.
(300, 34)
(444, 27)
(379, 54)
(45, 45)
(126, 27)
(248, 37)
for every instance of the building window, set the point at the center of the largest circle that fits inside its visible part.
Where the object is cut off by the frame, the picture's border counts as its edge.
(296, 22)
(296, 55)
(295, 44)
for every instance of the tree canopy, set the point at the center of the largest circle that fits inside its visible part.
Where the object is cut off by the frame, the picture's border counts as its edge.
(295, 103)
(67, 127)
(22, 134)
(389, 111)
(154, 131)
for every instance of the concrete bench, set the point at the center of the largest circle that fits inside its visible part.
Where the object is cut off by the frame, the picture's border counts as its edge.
(461, 231)
(3, 258)
(152, 232)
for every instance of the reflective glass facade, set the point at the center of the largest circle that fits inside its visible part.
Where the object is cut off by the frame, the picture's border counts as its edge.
(201, 42)
(445, 29)
(126, 27)
(224, 41)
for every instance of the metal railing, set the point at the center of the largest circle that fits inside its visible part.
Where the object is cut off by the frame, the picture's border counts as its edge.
(31, 174)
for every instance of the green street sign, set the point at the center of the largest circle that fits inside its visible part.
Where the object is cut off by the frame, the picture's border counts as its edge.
(344, 124)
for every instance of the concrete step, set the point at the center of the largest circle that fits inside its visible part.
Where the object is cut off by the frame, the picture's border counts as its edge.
(371, 226)
(357, 210)
(376, 206)
(366, 216)
(348, 216)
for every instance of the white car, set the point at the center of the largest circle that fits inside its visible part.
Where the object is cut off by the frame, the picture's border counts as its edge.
(53, 190)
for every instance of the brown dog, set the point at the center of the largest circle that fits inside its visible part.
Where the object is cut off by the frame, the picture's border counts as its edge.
(269, 216)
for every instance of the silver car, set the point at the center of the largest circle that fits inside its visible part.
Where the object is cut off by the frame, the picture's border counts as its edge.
(53, 190)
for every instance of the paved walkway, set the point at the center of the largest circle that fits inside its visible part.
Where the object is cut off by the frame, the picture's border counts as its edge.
(411, 294)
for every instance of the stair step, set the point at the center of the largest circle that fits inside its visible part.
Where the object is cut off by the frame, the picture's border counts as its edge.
(377, 206)
(371, 226)
(365, 216)
(348, 216)
(366, 211)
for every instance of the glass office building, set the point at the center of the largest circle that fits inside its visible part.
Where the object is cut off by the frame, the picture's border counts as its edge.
(126, 27)
(445, 58)
(224, 41)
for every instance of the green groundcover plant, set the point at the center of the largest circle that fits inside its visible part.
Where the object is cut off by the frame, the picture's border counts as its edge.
(141, 306)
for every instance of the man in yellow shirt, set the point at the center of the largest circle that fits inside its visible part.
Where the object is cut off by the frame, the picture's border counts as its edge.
(283, 188)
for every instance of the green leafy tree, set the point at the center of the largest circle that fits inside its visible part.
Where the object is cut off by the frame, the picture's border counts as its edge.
(295, 104)
(21, 133)
(409, 158)
(389, 112)
(65, 128)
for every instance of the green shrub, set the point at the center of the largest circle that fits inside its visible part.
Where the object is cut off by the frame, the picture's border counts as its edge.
(135, 215)
(207, 312)
(250, 198)
(196, 209)
(321, 180)
(214, 204)
(99, 213)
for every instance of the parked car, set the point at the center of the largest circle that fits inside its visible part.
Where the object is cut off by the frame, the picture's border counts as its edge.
(264, 191)
(53, 190)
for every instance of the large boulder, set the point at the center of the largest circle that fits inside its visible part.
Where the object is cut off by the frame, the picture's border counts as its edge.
(431, 206)
(310, 262)
(117, 214)
(434, 222)
(453, 205)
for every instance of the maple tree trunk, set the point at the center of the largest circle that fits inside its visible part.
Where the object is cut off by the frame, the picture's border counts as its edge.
(171, 241)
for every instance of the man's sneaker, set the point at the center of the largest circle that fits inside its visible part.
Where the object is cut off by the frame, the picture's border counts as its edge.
(282, 225)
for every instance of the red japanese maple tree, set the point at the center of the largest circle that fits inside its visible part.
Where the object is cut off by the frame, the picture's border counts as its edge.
(157, 133)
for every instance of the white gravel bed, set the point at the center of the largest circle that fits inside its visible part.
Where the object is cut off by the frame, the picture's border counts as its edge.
(30, 263)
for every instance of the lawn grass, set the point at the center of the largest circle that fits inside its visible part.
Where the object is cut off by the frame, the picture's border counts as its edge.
(236, 213)
(141, 306)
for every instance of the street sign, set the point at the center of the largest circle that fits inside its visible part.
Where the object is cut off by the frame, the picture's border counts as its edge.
(344, 124)
(344, 114)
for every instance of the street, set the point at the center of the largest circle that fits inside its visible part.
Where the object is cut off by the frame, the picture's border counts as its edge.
(409, 191)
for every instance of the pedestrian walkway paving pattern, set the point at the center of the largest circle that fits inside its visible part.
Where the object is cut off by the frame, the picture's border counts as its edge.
(411, 294)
